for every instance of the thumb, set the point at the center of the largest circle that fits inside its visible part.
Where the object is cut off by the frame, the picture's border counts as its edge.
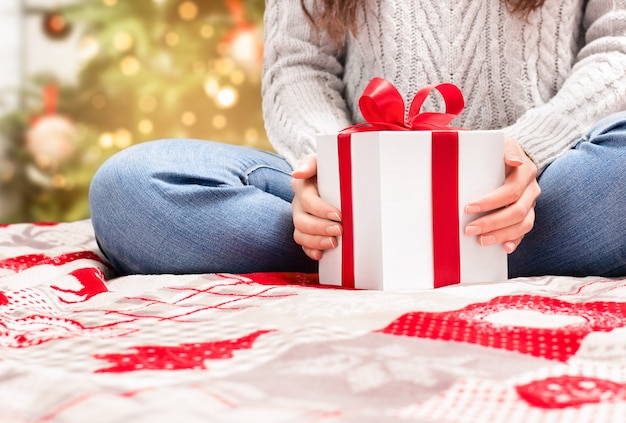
(513, 153)
(307, 167)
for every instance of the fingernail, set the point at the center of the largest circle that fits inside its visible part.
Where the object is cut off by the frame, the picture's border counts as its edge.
(515, 160)
(315, 254)
(487, 240)
(334, 230)
(329, 243)
(472, 230)
(509, 247)
(472, 209)
(334, 216)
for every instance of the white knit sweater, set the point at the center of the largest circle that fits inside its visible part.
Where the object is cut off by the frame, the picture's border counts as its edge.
(545, 79)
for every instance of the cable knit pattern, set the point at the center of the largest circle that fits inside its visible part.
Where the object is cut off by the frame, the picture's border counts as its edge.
(544, 80)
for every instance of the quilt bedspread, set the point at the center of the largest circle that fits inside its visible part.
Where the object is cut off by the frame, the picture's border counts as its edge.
(78, 344)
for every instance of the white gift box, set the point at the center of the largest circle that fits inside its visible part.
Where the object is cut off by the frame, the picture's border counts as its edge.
(392, 208)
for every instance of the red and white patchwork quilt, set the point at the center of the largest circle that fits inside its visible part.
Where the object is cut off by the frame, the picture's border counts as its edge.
(78, 344)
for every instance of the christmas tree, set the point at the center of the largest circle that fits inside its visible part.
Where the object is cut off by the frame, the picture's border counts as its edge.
(152, 69)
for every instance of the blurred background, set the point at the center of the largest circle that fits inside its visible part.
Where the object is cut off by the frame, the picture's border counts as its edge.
(83, 79)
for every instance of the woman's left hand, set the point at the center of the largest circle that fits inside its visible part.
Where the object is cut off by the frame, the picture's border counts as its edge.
(511, 208)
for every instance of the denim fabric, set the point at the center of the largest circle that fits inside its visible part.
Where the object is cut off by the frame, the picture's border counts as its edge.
(189, 206)
(580, 224)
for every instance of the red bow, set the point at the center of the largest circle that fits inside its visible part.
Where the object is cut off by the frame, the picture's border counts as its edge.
(383, 108)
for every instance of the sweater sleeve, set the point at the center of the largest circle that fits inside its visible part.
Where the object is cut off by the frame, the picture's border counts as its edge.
(302, 85)
(596, 87)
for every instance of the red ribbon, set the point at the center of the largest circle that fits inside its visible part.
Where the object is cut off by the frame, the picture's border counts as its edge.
(445, 206)
(383, 108)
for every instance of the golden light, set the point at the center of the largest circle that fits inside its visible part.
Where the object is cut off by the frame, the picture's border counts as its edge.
(105, 140)
(219, 121)
(88, 47)
(43, 162)
(188, 10)
(172, 39)
(146, 126)
(130, 66)
(147, 103)
(123, 138)
(93, 153)
(211, 86)
(109, 2)
(188, 118)
(59, 181)
(224, 66)
(244, 47)
(198, 66)
(123, 41)
(98, 101)
(207, 31)
(251, 136)
(222, 48)
(237, 77)
(227, 97)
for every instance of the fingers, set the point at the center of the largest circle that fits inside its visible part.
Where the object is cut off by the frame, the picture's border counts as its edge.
(314, 245)
(510, 208)
(316, 222)
(518, 181)
(313, 232)
(509, 236)
(506, 217)
(312, 204)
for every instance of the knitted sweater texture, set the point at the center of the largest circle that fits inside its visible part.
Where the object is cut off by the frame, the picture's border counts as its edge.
(543, 79)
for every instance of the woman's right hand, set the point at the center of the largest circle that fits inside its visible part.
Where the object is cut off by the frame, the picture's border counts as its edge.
(317, 223)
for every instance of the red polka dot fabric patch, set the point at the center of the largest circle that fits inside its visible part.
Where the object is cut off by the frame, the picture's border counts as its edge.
(570, 391)
(471, 324)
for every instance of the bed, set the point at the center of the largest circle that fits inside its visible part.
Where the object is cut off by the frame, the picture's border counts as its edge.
(79, 344)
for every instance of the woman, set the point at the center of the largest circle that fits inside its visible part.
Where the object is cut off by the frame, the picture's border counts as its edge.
(551, 74)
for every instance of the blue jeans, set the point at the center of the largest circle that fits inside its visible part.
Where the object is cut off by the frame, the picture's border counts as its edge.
(580, 216)
(189, 206)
